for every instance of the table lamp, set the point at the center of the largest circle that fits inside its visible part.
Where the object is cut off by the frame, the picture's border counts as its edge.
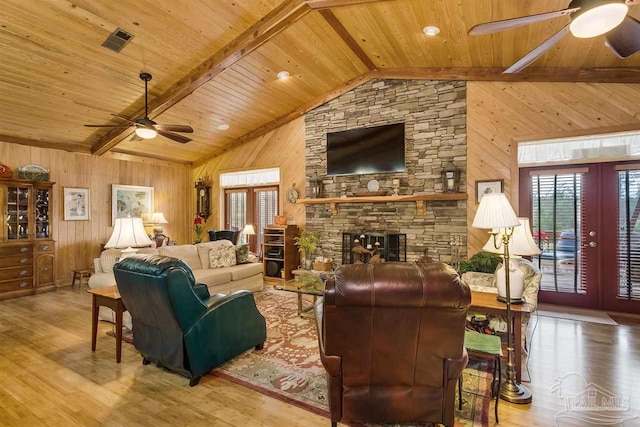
(521, 244)
(248, 230)
(156, 219)
(495, 212)
(128, 233)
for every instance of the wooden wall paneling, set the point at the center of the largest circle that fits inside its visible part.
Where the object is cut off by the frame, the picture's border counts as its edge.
(501, 114)
(78, 242)
(282, 147)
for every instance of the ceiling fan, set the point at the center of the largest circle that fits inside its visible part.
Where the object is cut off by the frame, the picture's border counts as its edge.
(589, 18)
(145, 128)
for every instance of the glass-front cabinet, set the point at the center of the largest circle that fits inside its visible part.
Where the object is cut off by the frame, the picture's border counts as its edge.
(26, 247)
(17, 209)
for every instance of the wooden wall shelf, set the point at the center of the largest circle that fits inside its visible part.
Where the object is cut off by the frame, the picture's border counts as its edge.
(420, 199)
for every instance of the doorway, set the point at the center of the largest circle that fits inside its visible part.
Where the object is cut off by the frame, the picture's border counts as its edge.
(585, 220)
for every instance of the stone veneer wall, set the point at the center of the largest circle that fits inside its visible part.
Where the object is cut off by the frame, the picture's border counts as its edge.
(434, 113)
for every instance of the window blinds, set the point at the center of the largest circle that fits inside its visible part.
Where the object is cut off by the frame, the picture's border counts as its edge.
(628, 235)
(557, 217)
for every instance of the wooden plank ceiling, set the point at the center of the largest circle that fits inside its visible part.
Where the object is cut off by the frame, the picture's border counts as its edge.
(215, 62)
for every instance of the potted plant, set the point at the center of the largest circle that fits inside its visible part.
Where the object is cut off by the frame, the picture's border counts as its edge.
(197, 227)
(482, 262)
(307, 243)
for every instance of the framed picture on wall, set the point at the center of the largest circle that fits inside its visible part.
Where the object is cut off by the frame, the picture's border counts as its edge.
(77, 206)
(488, 186)
(130, 200)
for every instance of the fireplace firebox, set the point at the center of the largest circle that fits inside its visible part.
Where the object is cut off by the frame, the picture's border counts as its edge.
(390, 246)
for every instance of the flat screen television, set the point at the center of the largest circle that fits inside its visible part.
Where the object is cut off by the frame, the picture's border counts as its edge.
(366, 150)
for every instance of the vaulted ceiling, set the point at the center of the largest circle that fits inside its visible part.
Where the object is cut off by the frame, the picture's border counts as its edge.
(215, 62)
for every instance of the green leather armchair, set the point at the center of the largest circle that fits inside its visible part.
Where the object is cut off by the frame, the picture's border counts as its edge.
(177, 324)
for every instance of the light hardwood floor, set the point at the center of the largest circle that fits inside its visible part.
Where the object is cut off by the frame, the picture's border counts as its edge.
(49, 376)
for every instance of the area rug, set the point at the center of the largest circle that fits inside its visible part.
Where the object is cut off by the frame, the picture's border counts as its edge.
(289, 367)
(577, 314)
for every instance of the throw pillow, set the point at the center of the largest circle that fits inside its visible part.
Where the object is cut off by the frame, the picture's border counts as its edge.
(224, 256)
(242, 254)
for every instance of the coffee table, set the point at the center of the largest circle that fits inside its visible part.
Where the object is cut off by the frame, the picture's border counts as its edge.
(308, 284)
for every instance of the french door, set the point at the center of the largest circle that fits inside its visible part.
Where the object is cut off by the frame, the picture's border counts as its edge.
(251, 205)
(584, 220)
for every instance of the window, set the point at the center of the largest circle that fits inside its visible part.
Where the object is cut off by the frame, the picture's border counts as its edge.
(628, 234)
(251, 205)
(251, 197)
(557, 214)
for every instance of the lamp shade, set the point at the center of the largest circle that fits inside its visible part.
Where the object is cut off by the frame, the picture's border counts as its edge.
(154, 218)
(128, 232)
(520, 243)
(248, 230)
(495, 211)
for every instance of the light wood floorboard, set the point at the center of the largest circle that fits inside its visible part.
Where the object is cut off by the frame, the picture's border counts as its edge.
(50, 377)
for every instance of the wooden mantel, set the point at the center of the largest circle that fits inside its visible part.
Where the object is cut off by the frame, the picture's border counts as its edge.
(420, 200)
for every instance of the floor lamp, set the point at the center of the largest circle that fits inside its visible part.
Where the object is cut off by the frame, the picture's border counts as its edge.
(496, 213)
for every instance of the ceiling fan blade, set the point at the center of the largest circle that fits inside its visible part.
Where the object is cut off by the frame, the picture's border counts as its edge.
(537, 52)
(107, 126)
(624, 40)
(124, 118)
(507, 24)
(174, 128)
(174, 136)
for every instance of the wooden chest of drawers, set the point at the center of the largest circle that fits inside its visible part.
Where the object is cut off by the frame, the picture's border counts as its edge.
(26, 268)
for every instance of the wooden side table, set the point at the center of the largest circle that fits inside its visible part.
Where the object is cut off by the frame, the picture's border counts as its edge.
(107, 297)
(79, 275)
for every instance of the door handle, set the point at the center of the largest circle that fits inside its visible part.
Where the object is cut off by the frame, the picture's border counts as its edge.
(590, 244)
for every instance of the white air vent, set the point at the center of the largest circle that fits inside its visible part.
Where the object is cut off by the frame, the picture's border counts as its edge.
(117, 40)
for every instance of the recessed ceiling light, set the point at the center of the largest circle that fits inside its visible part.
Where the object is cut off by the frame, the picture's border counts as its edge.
(223, 126)
(431, 30)
(282, 75)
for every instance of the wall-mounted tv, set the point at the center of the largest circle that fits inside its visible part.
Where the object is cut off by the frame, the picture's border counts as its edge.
(366, 150)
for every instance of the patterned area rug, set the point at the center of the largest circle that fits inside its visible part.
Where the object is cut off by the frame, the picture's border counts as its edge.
(289, 367)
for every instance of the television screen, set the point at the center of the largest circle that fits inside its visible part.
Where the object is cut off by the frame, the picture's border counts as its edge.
(366, 150)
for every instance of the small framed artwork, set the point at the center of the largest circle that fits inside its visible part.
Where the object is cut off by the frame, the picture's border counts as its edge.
(77, 204)
(488, 186)
(130, 200)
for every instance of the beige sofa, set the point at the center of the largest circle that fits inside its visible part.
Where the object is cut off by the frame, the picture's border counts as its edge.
(219, 280)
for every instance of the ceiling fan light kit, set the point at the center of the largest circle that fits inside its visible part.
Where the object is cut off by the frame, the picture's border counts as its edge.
(146, 132)
(597, 20)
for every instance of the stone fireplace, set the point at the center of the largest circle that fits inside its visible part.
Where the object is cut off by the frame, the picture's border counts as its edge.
(434, 113)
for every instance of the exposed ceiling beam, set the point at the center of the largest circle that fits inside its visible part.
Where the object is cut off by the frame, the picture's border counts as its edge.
(65, 146)
(346, 37)
(594, 75)
(304, 108)
(255, 36)
(147, 158)
(326, 4)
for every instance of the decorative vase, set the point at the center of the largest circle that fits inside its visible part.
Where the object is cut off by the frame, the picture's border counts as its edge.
(308, 264)
(198, 240)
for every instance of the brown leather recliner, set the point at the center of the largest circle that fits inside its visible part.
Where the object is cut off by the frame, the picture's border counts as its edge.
(392, 341)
